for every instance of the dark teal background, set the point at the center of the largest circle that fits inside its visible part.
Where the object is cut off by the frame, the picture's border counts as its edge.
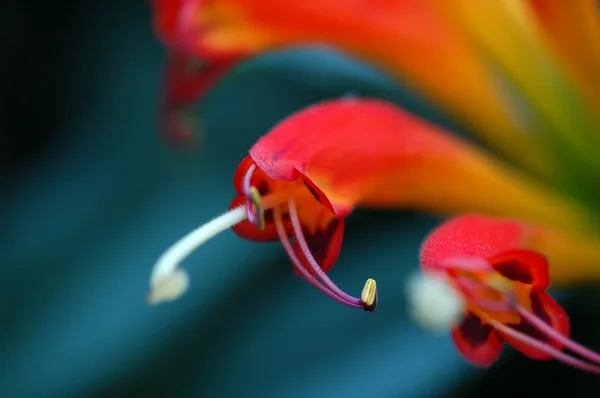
(92, 194)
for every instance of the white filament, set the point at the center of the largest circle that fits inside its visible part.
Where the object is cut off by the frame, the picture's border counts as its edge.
(433, 303)
(167, 282)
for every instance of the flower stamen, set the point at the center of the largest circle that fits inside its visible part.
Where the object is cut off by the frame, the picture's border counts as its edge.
(508, 303)
(544, 328)
(370, 289)
(541, 346)
(472, 288)
(285, 241)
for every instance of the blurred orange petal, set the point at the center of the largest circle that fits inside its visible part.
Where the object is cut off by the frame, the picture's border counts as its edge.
(574, 33)
(510, 36)
(408, 38)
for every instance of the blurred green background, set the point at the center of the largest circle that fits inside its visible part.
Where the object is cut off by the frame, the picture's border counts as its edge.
(92, 194)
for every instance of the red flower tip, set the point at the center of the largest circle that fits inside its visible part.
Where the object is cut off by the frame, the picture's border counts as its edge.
(191, 71)
(187, 78)
(502, 288)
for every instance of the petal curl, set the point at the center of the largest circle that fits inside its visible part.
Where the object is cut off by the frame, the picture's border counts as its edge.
(477, 342)
(524, 266)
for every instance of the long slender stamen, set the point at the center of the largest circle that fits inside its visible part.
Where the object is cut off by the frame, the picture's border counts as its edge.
(544, 328)
(298, 234)
(530, 341)
(168, 282)
(298, 265)
(557, 337)
(538, 323)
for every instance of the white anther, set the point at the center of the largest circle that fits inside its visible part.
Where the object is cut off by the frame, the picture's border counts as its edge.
(167, 282)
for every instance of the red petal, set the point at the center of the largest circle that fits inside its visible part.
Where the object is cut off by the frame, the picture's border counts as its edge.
(544, 307)
(166, 16)
(186, 79)
(470, 235)
(525, 266)
(317, 193)
(325, 245)
(258, 180)
(478, 343)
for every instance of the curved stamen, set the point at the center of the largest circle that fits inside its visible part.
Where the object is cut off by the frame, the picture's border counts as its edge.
(256, 213)
(541, 326)
(298, 265)
(298, 234)
(530, 341)
(566, 342)
(167, 282)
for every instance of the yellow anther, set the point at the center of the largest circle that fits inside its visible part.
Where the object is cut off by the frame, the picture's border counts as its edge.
(260, 212)
(369, 295)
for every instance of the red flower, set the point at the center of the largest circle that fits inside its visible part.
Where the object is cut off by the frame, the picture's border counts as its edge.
(503, 290)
